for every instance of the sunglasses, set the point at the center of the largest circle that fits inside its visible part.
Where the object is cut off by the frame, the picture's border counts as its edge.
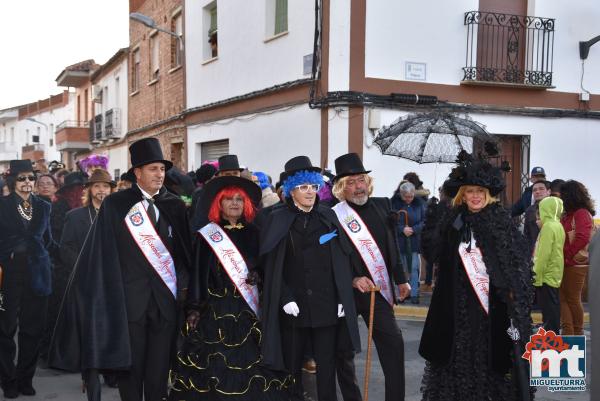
(306, 187)
(26, 177)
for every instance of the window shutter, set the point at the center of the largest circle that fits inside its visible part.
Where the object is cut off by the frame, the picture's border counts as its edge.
(281, 16)
(213, 21)
(214, 150)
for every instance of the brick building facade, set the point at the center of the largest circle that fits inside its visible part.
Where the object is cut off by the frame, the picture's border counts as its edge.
(156, 78)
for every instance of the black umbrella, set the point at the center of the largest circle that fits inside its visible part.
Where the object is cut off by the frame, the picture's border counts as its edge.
(430, 137)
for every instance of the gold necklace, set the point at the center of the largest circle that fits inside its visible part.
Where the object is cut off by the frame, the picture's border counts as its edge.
(25, 210)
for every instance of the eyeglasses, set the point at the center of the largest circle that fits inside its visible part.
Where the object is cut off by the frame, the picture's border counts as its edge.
(26, 177)
(306, 187)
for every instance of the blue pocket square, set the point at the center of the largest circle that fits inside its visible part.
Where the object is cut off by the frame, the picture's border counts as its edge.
(326, 237)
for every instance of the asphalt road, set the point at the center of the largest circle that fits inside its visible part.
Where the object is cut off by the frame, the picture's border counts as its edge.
(53, 385)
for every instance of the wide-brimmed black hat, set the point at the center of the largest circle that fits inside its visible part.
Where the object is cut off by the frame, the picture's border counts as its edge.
(295, 164)
(229, 162)
(349, 164)
(477, 170)
(212, 188)
(146, 151)
(100, 175)
(73, 179)
(20, 166)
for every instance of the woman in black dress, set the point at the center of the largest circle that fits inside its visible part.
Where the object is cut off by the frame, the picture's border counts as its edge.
(484, 283)
(220, 356)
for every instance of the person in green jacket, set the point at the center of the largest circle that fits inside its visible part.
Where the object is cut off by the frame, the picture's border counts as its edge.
(548, 261)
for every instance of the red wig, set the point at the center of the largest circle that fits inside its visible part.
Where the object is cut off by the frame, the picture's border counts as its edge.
(214, 213)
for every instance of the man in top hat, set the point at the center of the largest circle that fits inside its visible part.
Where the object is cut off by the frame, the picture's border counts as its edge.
(25, 237)
(526, 199)
(121, 307)
(228, 166)
(369, 223)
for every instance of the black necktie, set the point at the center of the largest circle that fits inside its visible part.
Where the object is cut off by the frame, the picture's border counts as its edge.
(151, 211)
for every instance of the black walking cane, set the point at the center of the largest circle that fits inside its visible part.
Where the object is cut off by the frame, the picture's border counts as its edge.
(520, 370)
(407, 241)
(1, 299)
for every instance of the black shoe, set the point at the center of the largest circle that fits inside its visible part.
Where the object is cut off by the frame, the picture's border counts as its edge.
(111, 380)
(10, 391)
(26, 389)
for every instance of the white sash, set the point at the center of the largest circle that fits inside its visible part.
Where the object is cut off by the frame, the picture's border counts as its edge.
(233, 262)
(145, 236)
(366, 246)
(476, 272)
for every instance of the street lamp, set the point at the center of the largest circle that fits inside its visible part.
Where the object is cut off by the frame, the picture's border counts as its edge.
(150, 23)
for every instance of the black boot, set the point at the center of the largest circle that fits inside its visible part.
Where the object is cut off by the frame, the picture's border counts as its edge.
(26, 388)
(10, 390)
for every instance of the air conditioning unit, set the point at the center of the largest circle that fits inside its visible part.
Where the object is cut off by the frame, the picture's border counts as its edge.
(97, 94)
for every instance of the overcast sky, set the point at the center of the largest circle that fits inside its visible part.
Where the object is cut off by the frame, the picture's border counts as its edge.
(39, 38)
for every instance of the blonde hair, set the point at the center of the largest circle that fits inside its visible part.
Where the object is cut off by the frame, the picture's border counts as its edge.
(458, 198)
(338, 187)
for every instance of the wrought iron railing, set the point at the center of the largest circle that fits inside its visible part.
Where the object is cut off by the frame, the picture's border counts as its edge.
(509, 48)
(112, 123)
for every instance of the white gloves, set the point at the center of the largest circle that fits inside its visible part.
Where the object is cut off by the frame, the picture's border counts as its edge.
(341, 312)
(291, 308)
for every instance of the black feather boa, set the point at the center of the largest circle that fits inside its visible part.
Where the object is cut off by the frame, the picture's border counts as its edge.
(505, 255)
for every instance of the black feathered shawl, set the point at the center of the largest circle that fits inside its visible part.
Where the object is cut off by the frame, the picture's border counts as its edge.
(511, 291)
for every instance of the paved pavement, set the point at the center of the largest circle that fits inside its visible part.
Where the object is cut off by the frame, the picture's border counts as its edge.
(53, 385)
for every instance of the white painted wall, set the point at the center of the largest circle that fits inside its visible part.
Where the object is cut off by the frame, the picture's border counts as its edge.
(425, 31)
(117, 97)
(565, 147)
(339, 45)
(245, 62)
(263, 142)
(118, 159)
(51, 119)
(433, 32)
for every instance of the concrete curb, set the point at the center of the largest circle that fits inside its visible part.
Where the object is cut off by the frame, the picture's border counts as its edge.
(420, 313)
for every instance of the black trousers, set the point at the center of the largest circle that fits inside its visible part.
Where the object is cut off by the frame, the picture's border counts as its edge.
(324, 345)
(151, 338)
(549, 303)
(27, 312)
(389, 343)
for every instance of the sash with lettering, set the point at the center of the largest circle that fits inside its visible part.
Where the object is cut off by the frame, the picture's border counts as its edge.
(476, 272)
(233, 262)
(154, 250)
(366, 246)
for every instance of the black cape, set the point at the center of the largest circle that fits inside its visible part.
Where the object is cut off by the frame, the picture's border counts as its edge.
(507, 262)
(272, 255)
(92, 328)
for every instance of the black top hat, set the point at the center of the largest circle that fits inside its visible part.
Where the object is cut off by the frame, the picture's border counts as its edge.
(349, 164)
(146, 151)
(20, 166)
(229, 162)
(295, 164)
(212, 188)
(72, 179)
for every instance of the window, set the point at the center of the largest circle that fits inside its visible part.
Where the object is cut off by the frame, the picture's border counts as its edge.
(281, 16)
(12, 135)
(210, 22)
(276, 17)
(135, 70)
(154, 68)
(117, 91)
(213, 150)
(176, 50)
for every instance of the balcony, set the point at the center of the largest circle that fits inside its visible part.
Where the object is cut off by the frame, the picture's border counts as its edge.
(112, 123)
(72, 136)
(509, 50)
(33, 152)
(96, 136)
